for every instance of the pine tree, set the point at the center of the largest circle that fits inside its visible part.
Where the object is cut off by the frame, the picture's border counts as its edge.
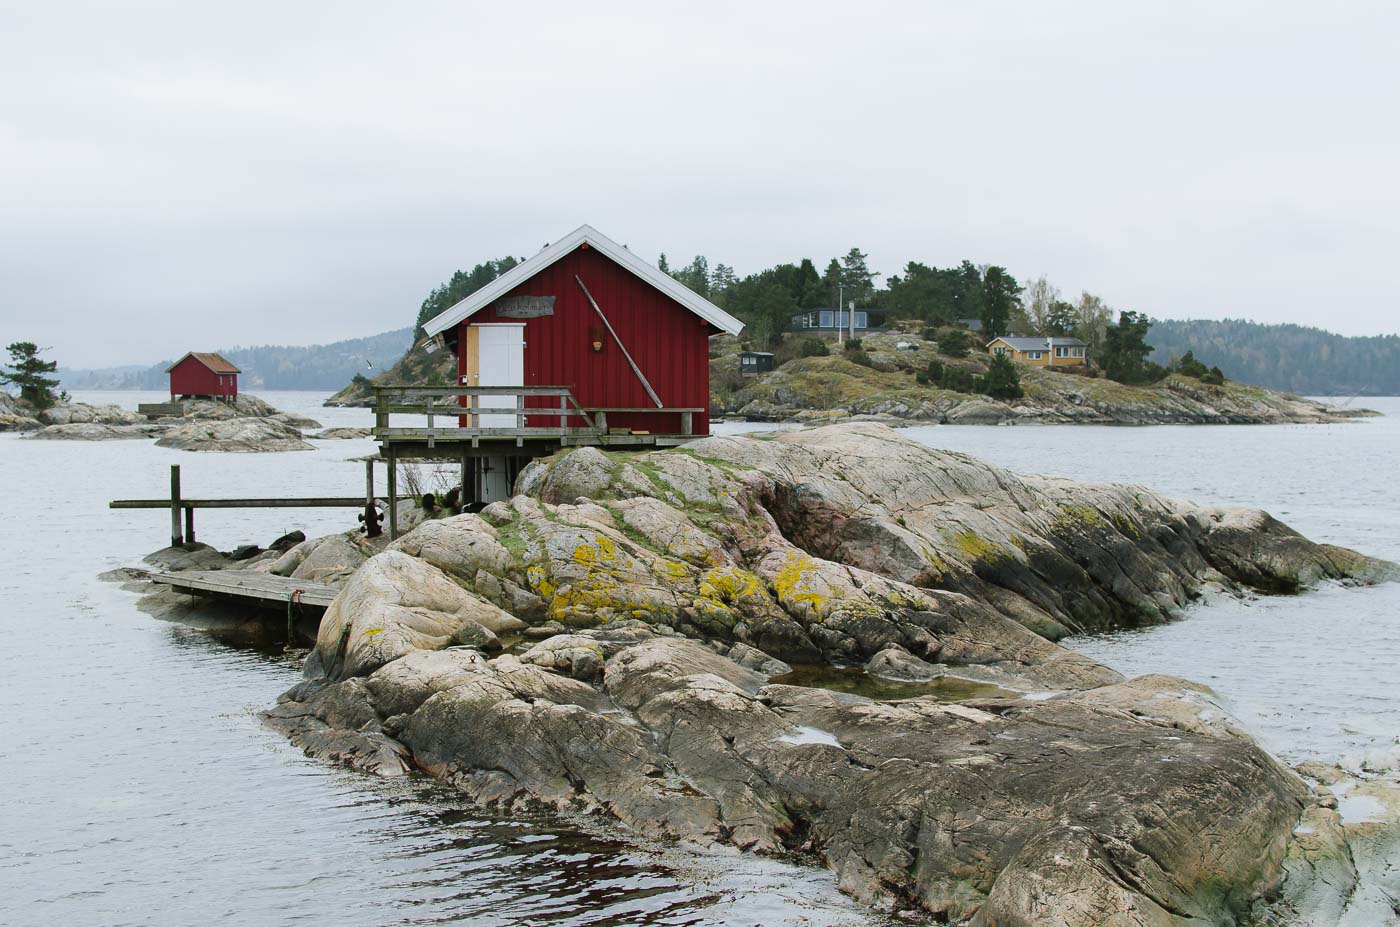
(27, 372)
(1000, 297)
(695, 275)
(856, 275)
(1001, 381)
(1125, 350)
(831, 280)
(722, 279)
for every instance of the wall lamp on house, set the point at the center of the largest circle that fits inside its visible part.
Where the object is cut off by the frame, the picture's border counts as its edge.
(595, 339)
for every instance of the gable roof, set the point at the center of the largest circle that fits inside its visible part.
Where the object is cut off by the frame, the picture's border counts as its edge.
(566, 245)
(214, 362)
(1036, 344)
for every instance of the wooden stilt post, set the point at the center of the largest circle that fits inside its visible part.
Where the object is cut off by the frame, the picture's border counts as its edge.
(393, 458)
(189, 524)
(371, 516)
(462, 499)
(175, 539)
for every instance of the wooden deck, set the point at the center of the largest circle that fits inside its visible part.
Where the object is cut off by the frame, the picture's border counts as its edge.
(261, 588)
(563, 424)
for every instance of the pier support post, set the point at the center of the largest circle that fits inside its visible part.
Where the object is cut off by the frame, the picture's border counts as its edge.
(175, 539)
(463, 497)
(189, 524)
(393, 458)
(371, 516)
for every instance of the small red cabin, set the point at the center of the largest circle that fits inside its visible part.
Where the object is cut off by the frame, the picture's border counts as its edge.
(204, 375)
(587, 314)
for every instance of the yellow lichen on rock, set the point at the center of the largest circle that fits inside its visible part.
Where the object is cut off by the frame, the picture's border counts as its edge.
(975, 547)
(602, 549)
(729, 584)
(539, 581)
(1079, 516)
(671, 569)
(793, 583)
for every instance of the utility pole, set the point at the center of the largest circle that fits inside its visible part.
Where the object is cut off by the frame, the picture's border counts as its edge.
(840, 299)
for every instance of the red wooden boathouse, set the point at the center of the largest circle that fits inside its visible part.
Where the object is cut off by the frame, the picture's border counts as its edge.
(203, 374)
(588, 314)
(583, 344)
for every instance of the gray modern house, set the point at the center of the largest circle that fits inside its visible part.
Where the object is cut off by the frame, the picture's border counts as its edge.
(829, 320)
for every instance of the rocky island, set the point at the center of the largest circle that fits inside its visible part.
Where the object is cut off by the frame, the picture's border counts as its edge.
(670, 640)
(885, 381)
(246, 424)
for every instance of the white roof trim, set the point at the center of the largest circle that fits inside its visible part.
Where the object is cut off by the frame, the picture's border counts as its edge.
(595, 239)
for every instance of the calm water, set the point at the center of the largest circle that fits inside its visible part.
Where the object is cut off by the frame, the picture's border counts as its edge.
(141, 789)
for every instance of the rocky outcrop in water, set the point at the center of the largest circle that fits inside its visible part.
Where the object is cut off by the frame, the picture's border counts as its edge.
(235, 435)
(1071, 810)
(205, 424)
(16, 415)
(92, 431)
(242, 406)
(605, 642)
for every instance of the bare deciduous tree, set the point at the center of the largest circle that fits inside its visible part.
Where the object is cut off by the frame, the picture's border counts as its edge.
(1039, 300)
(1091, 318)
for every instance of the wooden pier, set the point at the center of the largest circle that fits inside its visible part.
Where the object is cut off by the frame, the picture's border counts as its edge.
(179, 505)
(262, 588)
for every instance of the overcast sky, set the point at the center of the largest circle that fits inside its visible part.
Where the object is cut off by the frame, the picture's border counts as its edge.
(193, 176)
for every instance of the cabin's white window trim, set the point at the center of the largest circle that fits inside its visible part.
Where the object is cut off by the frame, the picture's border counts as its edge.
(1069, 351)
(999, 350)
(1034, 355)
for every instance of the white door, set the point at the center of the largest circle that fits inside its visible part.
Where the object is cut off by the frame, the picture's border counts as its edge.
(501, 357)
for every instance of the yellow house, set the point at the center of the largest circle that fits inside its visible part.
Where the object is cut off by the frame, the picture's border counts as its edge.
(1040, 352)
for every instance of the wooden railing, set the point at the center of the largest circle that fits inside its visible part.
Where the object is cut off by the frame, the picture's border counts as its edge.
(474, 402)
(177, 504)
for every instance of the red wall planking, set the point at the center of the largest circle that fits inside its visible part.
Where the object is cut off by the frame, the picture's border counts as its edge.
(669, 343)
(191, 377)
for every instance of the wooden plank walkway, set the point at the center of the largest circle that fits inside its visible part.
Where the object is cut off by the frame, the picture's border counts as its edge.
(243, 584)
